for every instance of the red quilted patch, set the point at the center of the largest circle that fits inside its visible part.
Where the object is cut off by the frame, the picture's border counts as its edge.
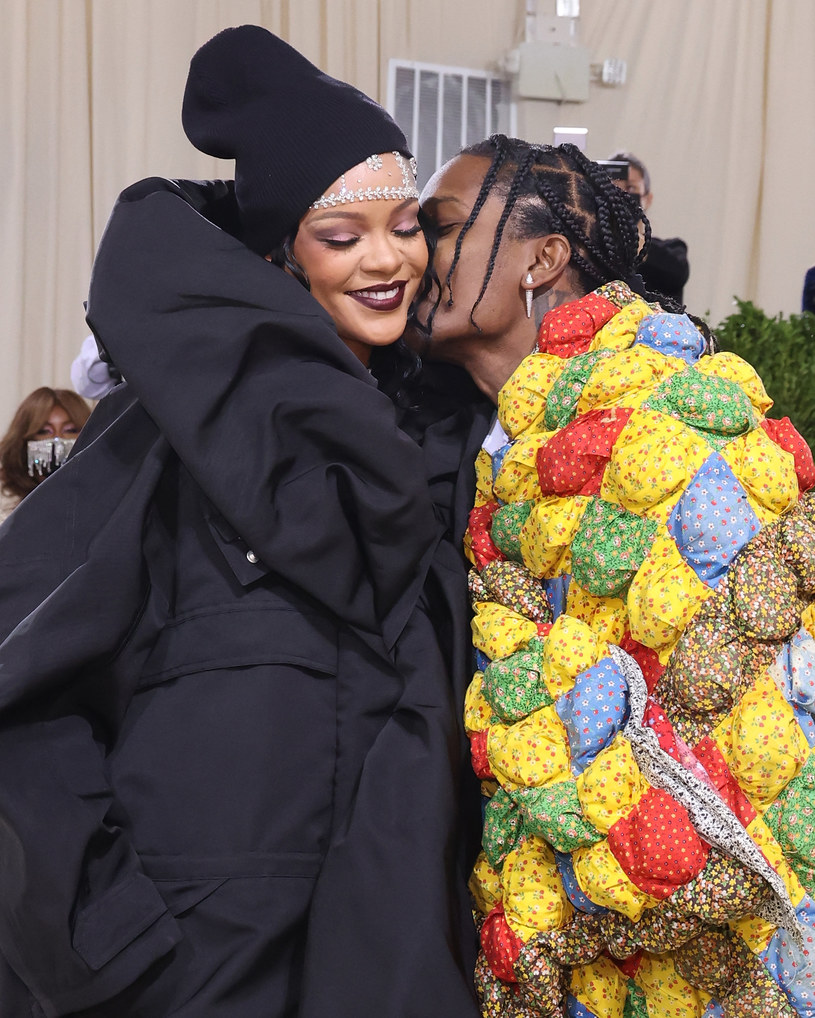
(500, 945)
(478, 756)
(783, 433)
(569, 329)
(657, 846)
(574, 460)
(709, 756)
(480, 525)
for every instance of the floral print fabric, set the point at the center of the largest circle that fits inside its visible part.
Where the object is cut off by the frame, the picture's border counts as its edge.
(643, 714)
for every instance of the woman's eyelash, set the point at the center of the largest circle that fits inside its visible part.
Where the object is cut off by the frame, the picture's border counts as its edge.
(350, 241)
(335, 242)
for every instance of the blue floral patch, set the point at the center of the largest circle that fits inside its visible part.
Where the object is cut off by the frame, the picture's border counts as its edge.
(712, 520)
(673, 335)
(594, 710)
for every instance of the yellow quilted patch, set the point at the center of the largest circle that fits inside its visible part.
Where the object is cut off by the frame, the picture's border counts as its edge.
(607, 616)
(653, 461)
(611, 786)
(621, 330)
(663, 597)
(765, 470)
(762, 743)
(569, 649)
(600, 987)
(522, 400)
(499, 631)
(668, 994)
(477, 711)
(627, 379)
(547, 534)
(603, 881)
(485, 885)
(517, 479)
(534, 898)
(531, 752)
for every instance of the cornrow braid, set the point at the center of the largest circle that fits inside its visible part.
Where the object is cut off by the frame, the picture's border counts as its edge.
(509, 205)
(491, 176)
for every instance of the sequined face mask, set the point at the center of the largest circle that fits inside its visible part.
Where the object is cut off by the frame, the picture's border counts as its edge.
(46, 454)
(406, 189)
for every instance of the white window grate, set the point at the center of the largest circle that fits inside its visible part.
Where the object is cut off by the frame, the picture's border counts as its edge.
(442, 109)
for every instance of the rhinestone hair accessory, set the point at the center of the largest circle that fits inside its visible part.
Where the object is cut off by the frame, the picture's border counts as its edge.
(346, 195)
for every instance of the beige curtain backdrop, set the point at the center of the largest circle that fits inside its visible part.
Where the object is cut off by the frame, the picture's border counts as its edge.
(719, 103)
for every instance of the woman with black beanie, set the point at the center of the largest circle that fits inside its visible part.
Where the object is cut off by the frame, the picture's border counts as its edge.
(229, 718)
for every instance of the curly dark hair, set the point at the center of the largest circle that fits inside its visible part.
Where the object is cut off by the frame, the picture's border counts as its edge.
(557, 189)
(29, 417)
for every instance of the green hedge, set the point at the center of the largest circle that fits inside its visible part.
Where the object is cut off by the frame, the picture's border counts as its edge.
(782, 350)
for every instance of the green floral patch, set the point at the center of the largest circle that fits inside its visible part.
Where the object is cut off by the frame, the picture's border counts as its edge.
(553, 812)
(513, 686)
(564, 394)
(635, 1005)
(503, 828)
(716, 407)
(791, 818)
(609, 547)
(507, 524)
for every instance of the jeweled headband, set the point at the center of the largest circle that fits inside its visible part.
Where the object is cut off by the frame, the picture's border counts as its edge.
(346, 195)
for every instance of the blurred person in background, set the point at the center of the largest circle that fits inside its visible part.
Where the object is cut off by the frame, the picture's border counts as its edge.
(665, 269)
(40, 436)
(808, 296)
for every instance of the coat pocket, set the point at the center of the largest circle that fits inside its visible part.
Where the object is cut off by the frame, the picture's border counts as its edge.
(229, 745)
(227, 636)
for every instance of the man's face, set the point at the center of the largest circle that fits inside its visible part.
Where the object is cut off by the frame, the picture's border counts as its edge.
(447, 201)
(636, 185)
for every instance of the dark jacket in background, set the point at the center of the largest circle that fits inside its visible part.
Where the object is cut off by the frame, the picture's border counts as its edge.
(666, 270)
(232, 666)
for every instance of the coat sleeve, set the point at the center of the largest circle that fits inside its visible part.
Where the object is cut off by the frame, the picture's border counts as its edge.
(79, 920)
(278, 423)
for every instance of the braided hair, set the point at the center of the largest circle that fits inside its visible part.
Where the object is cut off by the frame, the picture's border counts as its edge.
(557, 189)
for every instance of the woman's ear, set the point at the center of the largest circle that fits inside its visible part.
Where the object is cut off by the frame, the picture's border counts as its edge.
(551, 255)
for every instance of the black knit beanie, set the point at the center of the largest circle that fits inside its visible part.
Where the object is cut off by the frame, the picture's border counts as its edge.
(291, 129)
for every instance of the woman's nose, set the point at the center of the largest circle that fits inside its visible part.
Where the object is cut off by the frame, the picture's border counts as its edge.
(384, 254)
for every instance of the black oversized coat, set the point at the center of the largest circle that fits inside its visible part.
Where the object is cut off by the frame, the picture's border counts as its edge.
(231, 667)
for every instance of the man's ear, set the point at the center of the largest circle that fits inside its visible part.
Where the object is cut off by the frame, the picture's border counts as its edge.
(551, 254)
(646, 200)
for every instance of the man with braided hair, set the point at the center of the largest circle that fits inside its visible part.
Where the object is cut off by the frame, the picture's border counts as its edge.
(642, 713)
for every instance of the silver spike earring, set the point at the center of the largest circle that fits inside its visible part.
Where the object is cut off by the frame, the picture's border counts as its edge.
(529, 286)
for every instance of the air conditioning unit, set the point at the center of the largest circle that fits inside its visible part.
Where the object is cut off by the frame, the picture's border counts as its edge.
(550, 70)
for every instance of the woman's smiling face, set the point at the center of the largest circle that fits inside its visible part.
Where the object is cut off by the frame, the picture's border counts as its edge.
(364, 259)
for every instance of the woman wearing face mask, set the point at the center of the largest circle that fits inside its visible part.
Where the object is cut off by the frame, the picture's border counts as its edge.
(641, 715)
(237, 772)
(39, 438)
